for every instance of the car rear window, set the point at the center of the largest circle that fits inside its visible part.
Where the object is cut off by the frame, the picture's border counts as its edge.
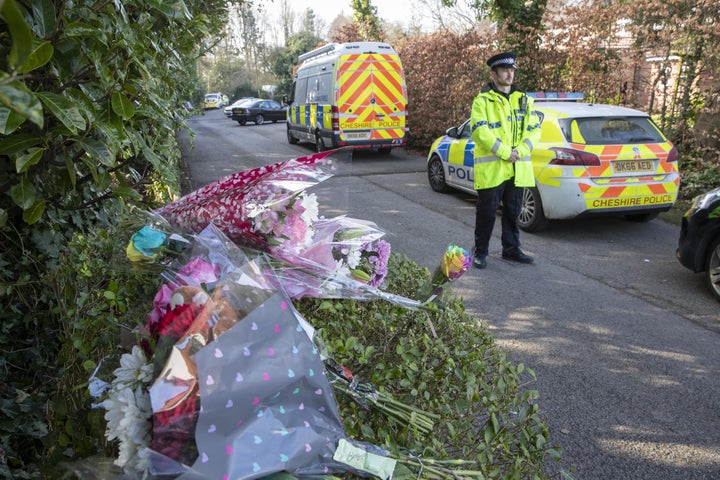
(611, 131)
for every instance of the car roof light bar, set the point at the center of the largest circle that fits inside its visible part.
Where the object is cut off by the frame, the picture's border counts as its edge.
(557, 96)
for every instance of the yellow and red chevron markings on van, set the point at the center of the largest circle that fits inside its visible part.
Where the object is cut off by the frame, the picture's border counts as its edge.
(387, 133)
(371, 96)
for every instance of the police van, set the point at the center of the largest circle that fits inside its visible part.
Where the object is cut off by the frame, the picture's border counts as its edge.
(349, 94)
(215, 100)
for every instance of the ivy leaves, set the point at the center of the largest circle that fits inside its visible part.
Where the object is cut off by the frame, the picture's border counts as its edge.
(90, 96)
(87, 96)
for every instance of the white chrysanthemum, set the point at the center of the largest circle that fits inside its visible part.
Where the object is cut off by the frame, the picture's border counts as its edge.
(353, 258)
(311, 213)
(341, 268)
(119, 405)
(133, 367)
(128, 409)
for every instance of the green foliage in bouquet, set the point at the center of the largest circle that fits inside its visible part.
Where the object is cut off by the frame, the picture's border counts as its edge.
(443, 362)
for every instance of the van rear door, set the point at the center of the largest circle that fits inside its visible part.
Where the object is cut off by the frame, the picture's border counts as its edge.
(371, 97)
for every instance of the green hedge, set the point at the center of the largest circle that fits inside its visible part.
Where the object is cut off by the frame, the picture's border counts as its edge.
(444, 362)
(90, 96)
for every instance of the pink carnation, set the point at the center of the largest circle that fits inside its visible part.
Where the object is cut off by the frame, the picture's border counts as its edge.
(296, 229)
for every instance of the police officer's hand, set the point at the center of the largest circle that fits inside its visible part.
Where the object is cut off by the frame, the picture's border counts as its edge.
(513, 156)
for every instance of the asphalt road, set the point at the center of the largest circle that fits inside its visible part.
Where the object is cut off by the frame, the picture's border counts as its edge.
(623, 339)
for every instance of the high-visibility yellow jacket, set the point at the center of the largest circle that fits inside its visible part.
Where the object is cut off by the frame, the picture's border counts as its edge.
(500, 123)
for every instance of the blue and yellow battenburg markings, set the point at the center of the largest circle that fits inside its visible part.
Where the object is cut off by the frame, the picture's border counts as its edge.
(456, 152)
(302, 115)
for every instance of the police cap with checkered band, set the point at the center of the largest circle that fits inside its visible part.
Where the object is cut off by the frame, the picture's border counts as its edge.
(504, 59)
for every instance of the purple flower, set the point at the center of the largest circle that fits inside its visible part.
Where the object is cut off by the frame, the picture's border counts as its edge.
(376, 254)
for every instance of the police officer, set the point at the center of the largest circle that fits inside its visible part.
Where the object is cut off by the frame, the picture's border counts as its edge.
(504, 128)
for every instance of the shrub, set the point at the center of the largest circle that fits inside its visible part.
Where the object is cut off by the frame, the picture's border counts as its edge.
(90, 98)
(444, 362)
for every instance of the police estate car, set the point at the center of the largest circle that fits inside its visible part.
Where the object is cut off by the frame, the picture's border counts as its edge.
(592, 159)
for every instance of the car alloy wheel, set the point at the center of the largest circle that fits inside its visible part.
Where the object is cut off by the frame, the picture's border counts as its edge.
(712, 268)
(532, 217)
(436, 175)
(259, 119)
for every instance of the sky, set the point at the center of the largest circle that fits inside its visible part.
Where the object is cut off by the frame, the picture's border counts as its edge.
(389, 10)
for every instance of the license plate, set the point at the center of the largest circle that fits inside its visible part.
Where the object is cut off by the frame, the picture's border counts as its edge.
(633, 166)
(357, 135)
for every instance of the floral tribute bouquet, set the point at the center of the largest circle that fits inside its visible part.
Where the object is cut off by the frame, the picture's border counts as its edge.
(267, 208)
(275, 209)
(226, 379)
(227, 382)
(454, 263)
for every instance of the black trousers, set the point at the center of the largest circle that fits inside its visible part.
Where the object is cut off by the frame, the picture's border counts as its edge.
(486, 207)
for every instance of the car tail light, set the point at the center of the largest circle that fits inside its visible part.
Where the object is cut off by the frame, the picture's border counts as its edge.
(335, 118)
(672, 155)
(568, 156)
(335, 122)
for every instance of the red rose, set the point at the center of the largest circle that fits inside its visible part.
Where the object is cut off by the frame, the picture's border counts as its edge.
(173, 432)
(176, 322)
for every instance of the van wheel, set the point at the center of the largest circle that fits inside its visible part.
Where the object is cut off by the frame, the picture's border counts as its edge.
(319, 144)
(241, 122)
(436, 175)
(259, 119)
(712, 268)
(384, 150)
(291, 138)
(532, 216)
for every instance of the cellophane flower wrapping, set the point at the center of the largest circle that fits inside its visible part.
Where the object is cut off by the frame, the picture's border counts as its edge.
(268, 208)
(229, 383)
(276, 209)
(156, 243)
(347, 259)
(453, 264)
